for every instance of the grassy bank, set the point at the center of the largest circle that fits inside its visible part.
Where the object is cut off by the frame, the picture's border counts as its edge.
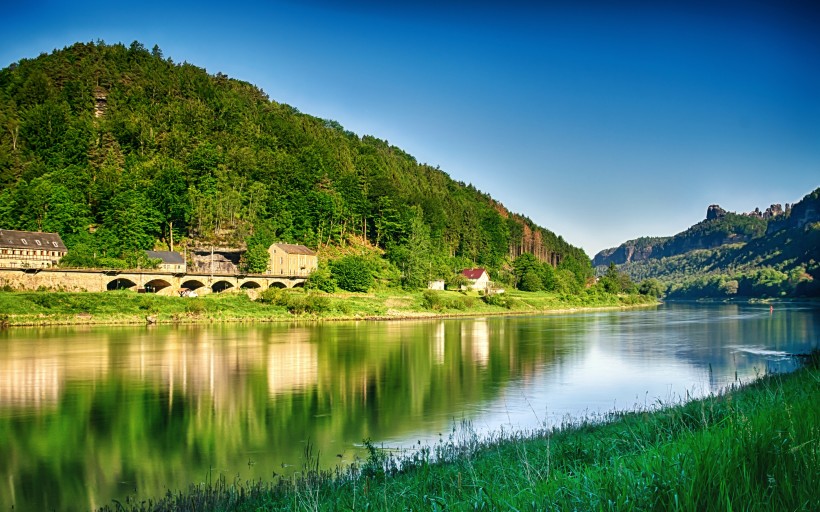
(756, 448)
(124, 307)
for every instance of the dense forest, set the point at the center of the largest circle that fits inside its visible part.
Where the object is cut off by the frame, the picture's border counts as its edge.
(119, 149)
(737, 256)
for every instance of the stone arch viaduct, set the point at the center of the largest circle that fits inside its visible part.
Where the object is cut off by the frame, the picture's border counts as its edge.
(150, 281)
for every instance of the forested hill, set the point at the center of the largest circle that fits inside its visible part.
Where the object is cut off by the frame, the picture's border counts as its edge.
(118, 149)
(772, 255)
(728, 228)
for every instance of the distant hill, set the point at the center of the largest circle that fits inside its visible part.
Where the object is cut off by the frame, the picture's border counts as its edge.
(759, 254)
(714, 231)
(120, 149)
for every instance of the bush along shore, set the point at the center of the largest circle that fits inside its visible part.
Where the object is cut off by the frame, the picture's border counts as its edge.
(126, 307)
(755, 447)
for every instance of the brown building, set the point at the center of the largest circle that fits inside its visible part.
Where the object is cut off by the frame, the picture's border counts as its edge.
(291, 260)
(30, 249)
(171, 261)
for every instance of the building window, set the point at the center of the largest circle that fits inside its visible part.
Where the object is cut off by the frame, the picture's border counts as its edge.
(55, 244)
(25, 242)
(37, 242)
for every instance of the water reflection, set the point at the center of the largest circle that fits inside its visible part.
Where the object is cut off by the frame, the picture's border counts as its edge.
(293, 364)
(87, 415)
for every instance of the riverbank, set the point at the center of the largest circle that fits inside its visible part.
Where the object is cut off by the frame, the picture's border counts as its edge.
(124, 307)
(751, 448)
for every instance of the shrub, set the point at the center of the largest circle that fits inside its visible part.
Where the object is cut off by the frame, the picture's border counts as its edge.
(195, 307)
(512, 303)
(655, 288)
(531, 282)
(255, 260)
(271, 296)
(456, 282)
(501, 300)
(321, 279)
(343, 307)
(310, 303)
(495, 299)
(317, 303)
(81, 302)
(148, 303)
(352, 273)
(456, 303)
(45, 300)
(438, 301)
(431, 299)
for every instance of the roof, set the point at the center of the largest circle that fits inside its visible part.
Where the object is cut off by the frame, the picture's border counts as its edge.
(295, 249)
(31, 240)
(473, 273)
(169, 257)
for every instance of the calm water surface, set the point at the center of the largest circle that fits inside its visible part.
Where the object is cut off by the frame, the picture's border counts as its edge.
(88, 415)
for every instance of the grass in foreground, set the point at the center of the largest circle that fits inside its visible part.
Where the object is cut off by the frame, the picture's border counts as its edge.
(756, 448)
(118, 307)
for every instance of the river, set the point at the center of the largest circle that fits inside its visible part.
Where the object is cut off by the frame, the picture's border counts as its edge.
(92, 414)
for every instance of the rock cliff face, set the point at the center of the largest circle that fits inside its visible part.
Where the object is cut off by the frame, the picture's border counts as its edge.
(715, 212)
(797, 216)
(634, 250)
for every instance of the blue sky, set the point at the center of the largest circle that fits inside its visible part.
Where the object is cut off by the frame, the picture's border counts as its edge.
(600, 123)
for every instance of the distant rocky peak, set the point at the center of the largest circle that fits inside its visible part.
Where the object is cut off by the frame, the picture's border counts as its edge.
(715, 212)
(772, 211)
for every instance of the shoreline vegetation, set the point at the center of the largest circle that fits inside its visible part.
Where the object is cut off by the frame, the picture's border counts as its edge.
(751, 447)
(48, 308)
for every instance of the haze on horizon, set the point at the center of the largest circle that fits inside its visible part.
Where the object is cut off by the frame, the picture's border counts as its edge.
(602, 124)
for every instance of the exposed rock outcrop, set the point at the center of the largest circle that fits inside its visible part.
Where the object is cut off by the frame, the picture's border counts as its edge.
(798, 215)
(715, 212)
(771, 212)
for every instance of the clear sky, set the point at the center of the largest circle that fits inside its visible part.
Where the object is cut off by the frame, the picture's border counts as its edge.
(601, 123)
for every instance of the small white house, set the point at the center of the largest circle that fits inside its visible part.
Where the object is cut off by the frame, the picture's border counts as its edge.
(438, 284)
(478, 278)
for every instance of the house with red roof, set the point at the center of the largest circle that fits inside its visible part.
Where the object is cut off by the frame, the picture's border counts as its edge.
(478, 278)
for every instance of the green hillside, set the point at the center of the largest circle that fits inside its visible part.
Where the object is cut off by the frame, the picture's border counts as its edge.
(730, 228)
(780, 260)
(120, 149)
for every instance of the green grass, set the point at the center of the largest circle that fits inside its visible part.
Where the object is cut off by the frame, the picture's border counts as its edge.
(120, 307)
(754, 448)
